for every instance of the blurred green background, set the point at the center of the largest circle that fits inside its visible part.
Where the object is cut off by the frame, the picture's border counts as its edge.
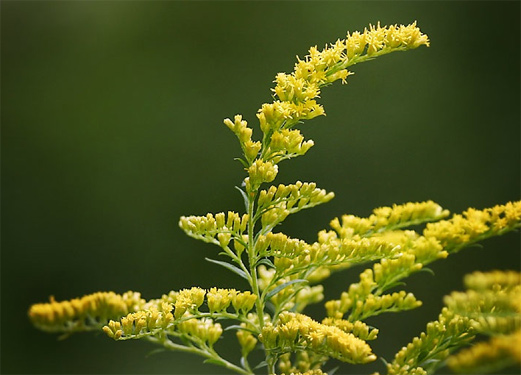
(112, 129)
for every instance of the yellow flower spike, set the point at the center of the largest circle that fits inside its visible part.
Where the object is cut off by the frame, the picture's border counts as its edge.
(82, 314)
(214, 333)
(487, 280)
(271, 116)
(355, 44)
(127, 324)
(487, 357)
(240, 128)
(292, 89)
(263, 123)
(188, 300)
(269, 335)
(141, 324)
(389, 218)
(247, 342)
(274, 216)
(219, 299)
(358, 328)
(230, 124)
(243, 302)
(289, 331)
(230, 219)
(309, 372)
(475, 225)
(113, 330)
(297, 329)
(489, 309)
(296, 91)
(218, 229)
(244, 222)
(238, 247)
(251, 149)
(220, 219)
(224, 239)
(260, 172)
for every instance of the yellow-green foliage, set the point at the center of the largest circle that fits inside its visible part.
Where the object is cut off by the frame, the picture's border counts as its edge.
(284, 273)
(490, 306)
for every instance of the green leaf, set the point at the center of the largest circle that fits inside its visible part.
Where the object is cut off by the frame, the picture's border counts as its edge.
(242, 161)
(429, 362)
(235, 326)
(245, 197)
(266, 262)
(229, 266)
(213, 361)
(285, 285)
(240, 328)
(428, 270)
(156, 351)
(261, 365)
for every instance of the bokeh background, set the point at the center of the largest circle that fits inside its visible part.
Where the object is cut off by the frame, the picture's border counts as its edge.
(112, 128)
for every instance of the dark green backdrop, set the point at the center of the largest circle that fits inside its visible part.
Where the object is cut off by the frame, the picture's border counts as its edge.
(112, 128)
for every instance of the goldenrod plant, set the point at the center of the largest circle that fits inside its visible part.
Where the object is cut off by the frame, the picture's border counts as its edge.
(284, 273)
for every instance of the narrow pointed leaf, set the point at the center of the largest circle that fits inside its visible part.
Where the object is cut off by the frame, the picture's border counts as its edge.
(266, 262)
(229, 266)
(261, 365)
(285, 285)
(244, 196)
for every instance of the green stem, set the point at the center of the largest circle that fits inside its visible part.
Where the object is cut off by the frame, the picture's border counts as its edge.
(206, 352)
(252, 258)
(271, 361)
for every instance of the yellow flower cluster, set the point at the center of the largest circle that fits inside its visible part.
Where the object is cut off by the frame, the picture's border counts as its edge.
(287, 144)
(365, 298)
(181, 309)
(297, 91)
(358, 328)
(188, 300)
(402, 252)
(493, 308)
(217, 229)
(141, 323)
(86, 313)
(449, 331)
(218, 300)
(303, 362)
(259, 172)
(246, 340)
(296, 331)
(356, 250)
(474, 225)
(505, 280)
(292, 255)
(493, 311)
(411, 251)
(283, 115)
(493, 302)
(295, 197)
(389, 218)
(243, 133)
(309, 372)
(362, 304)
(280, 245)
(201, 330)
(296, 95)
(488, 357)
